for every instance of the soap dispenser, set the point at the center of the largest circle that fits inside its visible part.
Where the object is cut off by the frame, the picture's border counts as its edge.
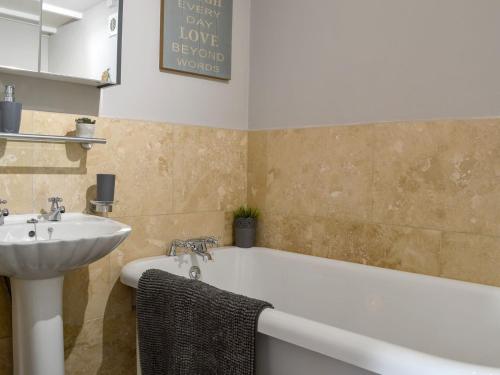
(10, 112)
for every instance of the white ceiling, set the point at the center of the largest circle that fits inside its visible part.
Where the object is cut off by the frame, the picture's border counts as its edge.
(77, 5)
(33, 6)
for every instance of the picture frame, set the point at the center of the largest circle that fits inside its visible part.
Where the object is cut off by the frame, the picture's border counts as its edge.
(196, 37)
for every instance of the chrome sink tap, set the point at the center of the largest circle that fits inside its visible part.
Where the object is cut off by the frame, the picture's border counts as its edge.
(55, 209)
(198, 246)
(3, 212)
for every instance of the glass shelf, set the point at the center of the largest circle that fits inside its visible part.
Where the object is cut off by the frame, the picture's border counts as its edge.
(85, 142)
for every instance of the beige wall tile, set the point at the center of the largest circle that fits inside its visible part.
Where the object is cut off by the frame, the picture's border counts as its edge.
(5, 312)
(119, 343)
(209, 169)
(82, 333)
(64, 159)
(120, 299)
(350, 241)
(16, 158)
(26, 122)
(16, 170)
(139, 153)
(54, 123)
(17, 189)
(412, 250)
(101, 346)
(441, 175)
(83, 347)
(86, 291)
(257, 168)
(471, 258)
(400, 248)
(5, 357)
(320, 171)
(59, 169)
(292, 232)
(72, 188)
(141, 156)
(228, 239)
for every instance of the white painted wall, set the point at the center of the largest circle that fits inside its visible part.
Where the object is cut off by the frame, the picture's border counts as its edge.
(146, 93)
(312, 63)
(83, 48)
(349, 61)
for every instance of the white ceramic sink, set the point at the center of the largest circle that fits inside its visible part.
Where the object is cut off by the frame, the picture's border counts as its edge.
(75, 241)
(36, 263)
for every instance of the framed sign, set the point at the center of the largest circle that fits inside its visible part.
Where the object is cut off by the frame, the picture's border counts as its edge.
(196, 37)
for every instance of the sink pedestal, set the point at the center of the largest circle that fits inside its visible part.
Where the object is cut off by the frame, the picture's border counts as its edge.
(37, 326)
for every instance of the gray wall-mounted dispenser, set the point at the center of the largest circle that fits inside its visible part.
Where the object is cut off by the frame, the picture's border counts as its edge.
(105, 194)
(10, 112)
(106, 187)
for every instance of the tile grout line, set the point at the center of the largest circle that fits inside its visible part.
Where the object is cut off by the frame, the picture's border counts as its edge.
(170, 214)
(372, 177)
(373, 222)
(32, 147)
(440, 249)
(174, 154)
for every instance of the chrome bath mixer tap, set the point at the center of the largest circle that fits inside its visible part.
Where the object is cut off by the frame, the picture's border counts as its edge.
(198, 246)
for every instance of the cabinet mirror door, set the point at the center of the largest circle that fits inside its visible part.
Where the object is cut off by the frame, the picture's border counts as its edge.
(20, 34)
(81, 38)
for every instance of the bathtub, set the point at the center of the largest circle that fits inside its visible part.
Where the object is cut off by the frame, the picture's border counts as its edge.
(340, 318)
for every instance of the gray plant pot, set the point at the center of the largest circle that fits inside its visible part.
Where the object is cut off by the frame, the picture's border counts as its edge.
(245, 230)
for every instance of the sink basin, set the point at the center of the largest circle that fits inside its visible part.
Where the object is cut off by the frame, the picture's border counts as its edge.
(35, 256)
(75, 241)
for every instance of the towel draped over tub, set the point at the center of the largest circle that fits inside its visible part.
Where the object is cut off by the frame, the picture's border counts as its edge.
(187, 327)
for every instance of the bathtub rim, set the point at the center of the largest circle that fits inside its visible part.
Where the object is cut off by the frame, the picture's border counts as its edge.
(126, 278)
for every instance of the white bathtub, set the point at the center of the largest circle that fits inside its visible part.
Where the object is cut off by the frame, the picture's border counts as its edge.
(333, 317)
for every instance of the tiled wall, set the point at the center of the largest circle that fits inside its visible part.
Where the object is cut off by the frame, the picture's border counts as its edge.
(172, 181)
(421, 197)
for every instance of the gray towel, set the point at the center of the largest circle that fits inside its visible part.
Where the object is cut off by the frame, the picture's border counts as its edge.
(187, 327)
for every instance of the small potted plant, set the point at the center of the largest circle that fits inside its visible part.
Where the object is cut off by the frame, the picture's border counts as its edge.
(245, 226)
(85, 127)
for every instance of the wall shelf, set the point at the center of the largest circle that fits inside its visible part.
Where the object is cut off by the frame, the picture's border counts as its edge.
(85, 142)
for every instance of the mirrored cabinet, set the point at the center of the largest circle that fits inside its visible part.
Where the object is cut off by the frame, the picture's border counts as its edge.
(69, 40)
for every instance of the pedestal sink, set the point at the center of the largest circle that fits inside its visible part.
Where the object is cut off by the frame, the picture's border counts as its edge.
(35, 257)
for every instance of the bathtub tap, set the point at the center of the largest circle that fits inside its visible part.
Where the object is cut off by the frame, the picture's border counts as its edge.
(3, 212)
(198, 246)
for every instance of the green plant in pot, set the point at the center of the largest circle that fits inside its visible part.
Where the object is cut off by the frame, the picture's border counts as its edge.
(245, 226)
(84, 120)
(85, 127)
